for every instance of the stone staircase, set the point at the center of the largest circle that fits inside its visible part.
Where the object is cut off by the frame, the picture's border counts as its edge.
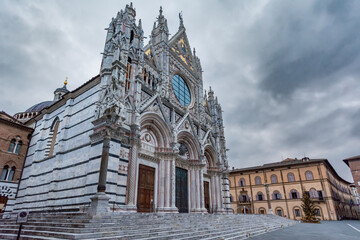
(142, 226)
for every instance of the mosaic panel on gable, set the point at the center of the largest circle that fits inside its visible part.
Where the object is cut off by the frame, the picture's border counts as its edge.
(183, 52)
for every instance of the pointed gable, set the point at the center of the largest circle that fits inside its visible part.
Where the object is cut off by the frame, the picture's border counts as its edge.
(180, 48)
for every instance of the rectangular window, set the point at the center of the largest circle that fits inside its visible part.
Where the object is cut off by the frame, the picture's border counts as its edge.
(294, 195)
(297, 212)
(260, 197)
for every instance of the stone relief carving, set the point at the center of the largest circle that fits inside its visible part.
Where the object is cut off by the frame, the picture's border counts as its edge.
(110, 103)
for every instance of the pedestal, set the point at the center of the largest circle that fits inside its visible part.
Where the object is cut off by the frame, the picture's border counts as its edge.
(99, 205)
(271, 211)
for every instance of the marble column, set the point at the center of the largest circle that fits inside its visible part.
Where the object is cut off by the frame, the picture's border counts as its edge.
(202, 201)
(226, 192)
(166, 186)
(172, 185)
(221, 193)
(192, 191)
(213, 193)
(100, 201)
(198, 187)
(132, 169)
(161, 187)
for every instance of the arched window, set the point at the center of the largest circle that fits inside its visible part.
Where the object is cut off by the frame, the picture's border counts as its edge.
(4, 172)
(257, 180)
(309, 175)
(276, 195)
(12, 145)
(18, 147)
(11, 174)
(260, 196)
(317, 212)
(128, 75)
(294, 194)
(297, 212)
(279, 211)
(231, 198)
(242, 182)
(291, 177)
(131, 36)
(262, 210)
(274, 178)
(53, 132)
(313, 193)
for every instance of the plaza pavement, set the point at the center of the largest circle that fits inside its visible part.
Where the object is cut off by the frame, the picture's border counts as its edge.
(327, 230)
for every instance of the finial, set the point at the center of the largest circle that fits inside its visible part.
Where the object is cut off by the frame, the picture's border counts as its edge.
(194, 52)
(131, 5)
(160, 11)
(181, 20)
(140, 25)
(65, 82)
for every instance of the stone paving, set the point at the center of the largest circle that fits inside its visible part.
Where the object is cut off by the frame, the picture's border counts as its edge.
(327, 230)
(143, 226)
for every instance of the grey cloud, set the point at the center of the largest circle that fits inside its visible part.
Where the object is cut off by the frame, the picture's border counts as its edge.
(280, 69)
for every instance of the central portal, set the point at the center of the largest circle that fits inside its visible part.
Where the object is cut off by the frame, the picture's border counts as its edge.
(145, 197)
(182, 190)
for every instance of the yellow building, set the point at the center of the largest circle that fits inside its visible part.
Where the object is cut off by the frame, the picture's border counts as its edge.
(278, 188)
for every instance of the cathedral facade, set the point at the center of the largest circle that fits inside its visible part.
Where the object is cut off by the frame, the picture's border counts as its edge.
(143, 135)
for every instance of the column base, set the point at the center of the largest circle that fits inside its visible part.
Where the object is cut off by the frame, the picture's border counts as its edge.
(222, 211)
(99, 205)
(167, 210)
(128, 208)
(199, 210)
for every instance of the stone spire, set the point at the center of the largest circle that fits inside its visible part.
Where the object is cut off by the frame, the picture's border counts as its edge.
(160, 30)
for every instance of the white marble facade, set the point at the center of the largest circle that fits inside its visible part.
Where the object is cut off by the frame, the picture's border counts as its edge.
(151, 125)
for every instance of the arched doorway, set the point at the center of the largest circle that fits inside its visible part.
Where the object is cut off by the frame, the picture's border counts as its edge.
(154, 135)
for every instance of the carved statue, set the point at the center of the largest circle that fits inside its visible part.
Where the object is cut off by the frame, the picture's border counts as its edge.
(110, 103)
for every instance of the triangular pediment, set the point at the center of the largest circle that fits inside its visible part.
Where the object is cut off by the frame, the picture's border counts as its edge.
(155, 105)
(180, 47)
(187, 124)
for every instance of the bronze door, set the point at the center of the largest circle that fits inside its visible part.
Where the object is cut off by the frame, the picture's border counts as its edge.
(182, 190)
(206, 196)
(145, 197)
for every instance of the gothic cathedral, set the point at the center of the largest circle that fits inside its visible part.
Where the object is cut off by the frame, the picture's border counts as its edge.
(140, 136)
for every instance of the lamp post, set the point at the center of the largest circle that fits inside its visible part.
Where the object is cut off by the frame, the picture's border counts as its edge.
(268, 198)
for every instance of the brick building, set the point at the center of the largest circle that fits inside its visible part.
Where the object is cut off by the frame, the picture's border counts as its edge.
(14, 141)
(354, 165)
(278, 188)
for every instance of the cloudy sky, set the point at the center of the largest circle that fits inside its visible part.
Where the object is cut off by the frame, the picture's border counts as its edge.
(286, 72)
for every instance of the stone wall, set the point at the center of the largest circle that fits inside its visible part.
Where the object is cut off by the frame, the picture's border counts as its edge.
(69, 178)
